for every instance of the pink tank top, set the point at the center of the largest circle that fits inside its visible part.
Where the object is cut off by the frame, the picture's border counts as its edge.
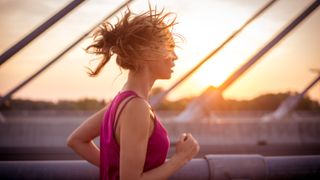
(157, 149)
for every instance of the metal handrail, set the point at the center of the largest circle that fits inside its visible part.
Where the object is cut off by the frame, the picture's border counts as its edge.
(270, 45)
(158, 98)
(39, 30)
(197, 108)
(10, 93)
(215, 167)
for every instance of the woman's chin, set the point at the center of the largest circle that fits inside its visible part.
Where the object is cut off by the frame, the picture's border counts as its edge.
(167, 76)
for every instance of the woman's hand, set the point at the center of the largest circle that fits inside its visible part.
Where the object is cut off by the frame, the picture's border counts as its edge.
(186, 147)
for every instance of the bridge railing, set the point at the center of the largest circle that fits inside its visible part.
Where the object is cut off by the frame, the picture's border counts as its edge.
(214, 167)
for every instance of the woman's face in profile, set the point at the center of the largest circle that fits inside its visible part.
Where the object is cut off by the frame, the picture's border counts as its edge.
(162, 60)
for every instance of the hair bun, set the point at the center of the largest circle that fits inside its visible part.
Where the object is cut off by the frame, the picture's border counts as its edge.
(130, 39)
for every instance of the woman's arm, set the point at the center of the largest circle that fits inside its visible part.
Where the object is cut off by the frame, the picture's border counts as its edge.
(134, 124)
(81, 139)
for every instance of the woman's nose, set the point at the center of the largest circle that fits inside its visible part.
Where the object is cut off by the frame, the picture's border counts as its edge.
(174, 56)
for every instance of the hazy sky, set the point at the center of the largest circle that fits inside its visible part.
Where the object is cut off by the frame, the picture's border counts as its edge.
(204, 24)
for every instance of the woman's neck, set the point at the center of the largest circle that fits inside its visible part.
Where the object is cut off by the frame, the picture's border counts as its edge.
(140, 82)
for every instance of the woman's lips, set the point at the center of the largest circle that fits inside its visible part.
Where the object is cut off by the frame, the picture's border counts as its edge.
(172, 68)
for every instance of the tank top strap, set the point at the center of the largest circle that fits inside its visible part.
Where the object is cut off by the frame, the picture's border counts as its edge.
(115, 115)
(125, 95)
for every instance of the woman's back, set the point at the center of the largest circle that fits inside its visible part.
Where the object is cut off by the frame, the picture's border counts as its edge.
(157, 148)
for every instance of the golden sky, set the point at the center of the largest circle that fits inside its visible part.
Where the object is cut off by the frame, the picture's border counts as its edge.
(205, 25)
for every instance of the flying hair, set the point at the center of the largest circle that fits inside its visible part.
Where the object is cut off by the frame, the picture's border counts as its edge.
(131, 39)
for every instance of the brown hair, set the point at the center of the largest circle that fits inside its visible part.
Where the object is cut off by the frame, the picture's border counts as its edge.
(130, 38)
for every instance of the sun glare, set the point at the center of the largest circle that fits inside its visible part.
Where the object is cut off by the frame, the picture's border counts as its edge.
(216, 70)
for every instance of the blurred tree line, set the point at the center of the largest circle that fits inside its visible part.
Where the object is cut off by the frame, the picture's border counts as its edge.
(265, 102)
(81, 104)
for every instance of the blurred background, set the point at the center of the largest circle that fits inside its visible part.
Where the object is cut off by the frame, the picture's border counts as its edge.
(271, 108)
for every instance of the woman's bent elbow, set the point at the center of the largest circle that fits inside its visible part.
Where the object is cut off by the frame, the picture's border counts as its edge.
(70, 141)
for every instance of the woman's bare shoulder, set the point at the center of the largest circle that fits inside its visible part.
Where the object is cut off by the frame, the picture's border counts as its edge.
(137, 110)
(137, 106)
